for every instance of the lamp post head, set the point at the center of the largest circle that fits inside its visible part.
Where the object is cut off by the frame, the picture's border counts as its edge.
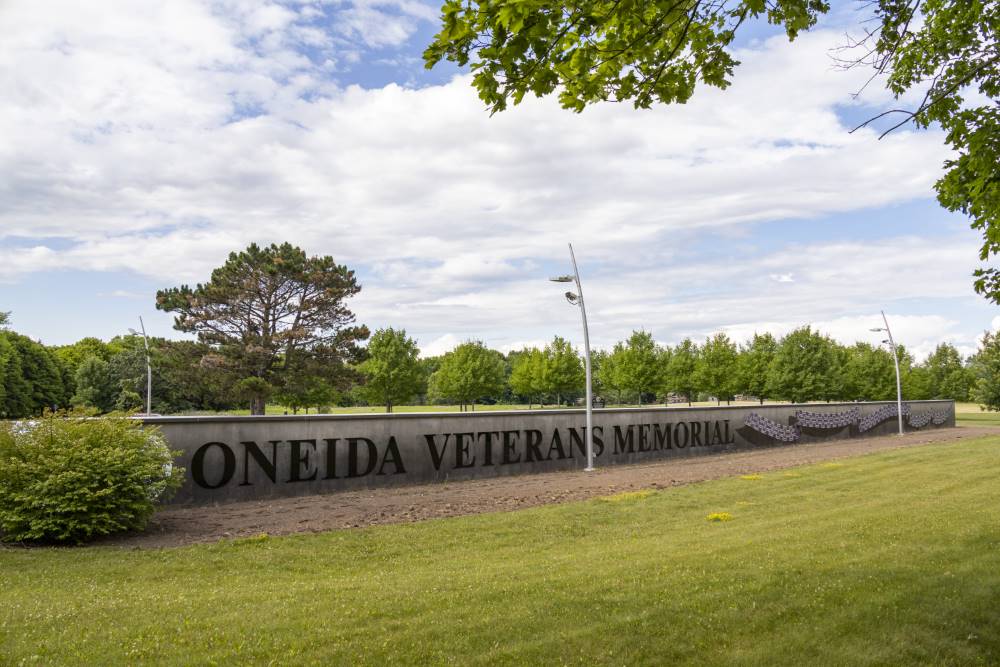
(877, 329)
(562, 279)
(572, 298)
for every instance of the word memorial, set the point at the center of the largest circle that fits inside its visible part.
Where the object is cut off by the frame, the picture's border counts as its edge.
(243, 458)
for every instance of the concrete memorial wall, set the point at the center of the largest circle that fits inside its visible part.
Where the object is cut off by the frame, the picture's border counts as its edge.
(244, 458)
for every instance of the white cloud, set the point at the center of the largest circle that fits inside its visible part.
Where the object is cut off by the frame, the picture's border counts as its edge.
(439, 346)
(379, 23)
(159, 161)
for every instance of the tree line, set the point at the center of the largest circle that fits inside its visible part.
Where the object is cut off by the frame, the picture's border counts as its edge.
(272, 326)
(803, 366)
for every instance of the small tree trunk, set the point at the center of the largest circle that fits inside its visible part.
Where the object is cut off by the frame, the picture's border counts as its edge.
(761, 400)
(473, 406)
(257, 405)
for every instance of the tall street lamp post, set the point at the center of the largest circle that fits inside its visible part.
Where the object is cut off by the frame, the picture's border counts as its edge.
(895, 359)
(149, 368)
(577, 300)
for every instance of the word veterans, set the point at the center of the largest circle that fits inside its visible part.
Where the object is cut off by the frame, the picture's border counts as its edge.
(294, 460)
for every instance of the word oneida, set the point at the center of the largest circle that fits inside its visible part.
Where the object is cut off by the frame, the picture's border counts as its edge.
(302, 460)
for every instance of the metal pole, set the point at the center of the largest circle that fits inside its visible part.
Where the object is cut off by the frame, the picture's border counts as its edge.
(586, 360)
(149, 371)
(899, 386)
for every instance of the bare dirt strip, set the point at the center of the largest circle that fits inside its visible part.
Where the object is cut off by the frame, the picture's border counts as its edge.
(174, 526)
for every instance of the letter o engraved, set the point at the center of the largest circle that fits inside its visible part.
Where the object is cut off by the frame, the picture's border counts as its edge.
(678, 441)
(198, 465)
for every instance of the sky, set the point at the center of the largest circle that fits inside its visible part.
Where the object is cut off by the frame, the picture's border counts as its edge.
(141, 143)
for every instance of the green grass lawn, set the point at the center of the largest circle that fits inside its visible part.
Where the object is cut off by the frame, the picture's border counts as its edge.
(884, 559)
(970, 414)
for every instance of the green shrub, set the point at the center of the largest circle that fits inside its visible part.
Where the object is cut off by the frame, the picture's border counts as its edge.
(70, 479)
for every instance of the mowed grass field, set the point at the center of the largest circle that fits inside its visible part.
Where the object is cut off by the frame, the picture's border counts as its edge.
(886, 559)
(970, 414)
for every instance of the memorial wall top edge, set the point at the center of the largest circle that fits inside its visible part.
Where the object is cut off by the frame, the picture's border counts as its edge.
(504, 413)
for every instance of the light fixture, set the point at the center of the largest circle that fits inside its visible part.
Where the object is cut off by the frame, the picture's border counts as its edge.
(895, 359)
(576, 299)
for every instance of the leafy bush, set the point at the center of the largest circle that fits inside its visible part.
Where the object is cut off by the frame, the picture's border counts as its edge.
(70, 479)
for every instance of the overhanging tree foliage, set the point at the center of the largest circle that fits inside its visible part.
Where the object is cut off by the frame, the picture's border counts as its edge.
(594, 50)
(950, 51)
(272, 314)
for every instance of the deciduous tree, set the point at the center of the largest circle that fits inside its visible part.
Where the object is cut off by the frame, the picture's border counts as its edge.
(38, 385)
(802, 367)
(715, 370)
(987, 390)
(563, 369)
(527, 375)
(680, 377)
(611, 370)
(949, 376)
(754, 364)
(869, 373)
(642, 364)
(95, 386)
(392, 369)
(468, 373)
